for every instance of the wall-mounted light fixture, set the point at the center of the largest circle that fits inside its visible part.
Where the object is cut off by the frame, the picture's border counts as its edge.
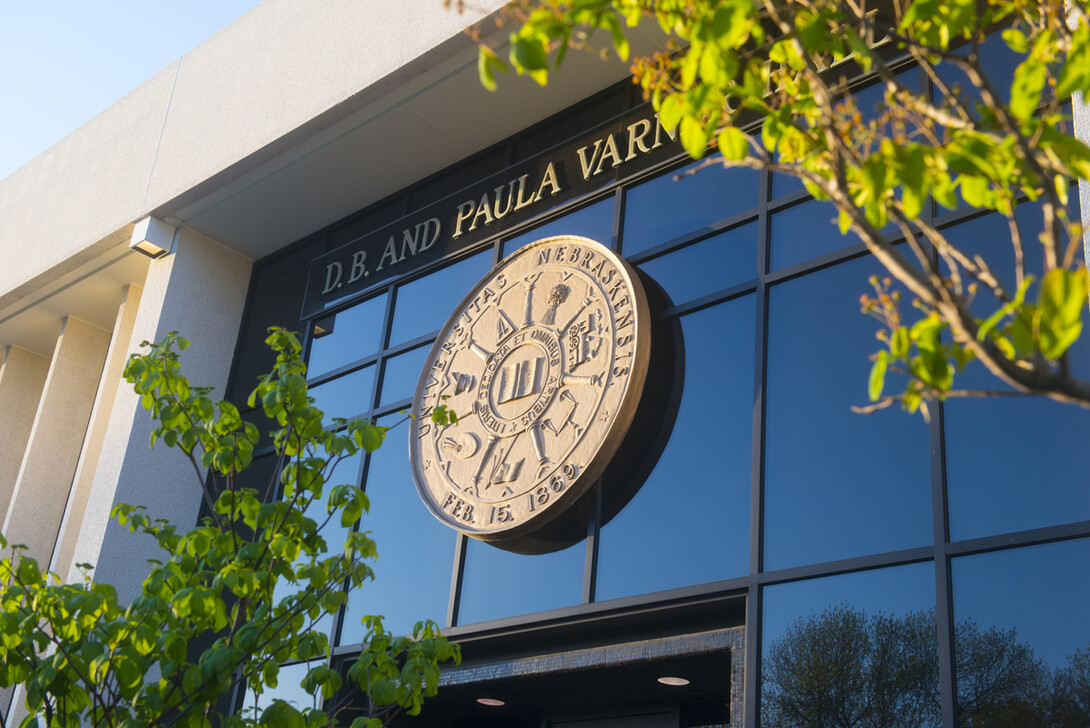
(152, 237)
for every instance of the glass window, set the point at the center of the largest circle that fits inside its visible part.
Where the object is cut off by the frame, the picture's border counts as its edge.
(1022, 635)
(356, 333)
(667, 207)
(415, 551)
(1003, 475)
(807, 231)
(1015, 464)
(423, 305)
(593, 221)
(288, 688)
(989, 236)
(712, 265)
(856, 649)
(345, 471)
(402, 373)
(998, 62)
(837, 484)
(347, 396)
(498, 584)
(785, 184)
(689, 523)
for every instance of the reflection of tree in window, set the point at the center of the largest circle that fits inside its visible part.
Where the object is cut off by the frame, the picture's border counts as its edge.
(846, 669)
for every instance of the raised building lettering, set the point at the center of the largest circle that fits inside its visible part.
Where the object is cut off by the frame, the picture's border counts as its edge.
(550, 181)
(333, 273)
(359, 266)
(389, 254)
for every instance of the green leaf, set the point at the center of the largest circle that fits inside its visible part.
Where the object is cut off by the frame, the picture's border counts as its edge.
(694, 137)
(974, 189)
(1016, 40)
(371, 437)
(1062, 299)
(878, 376)
(671, 110)
(1074, 154)
(529, 57)
(1029, 82)
(1075, 74)
(733, 144)
(1006, 310)
(282, 715)
(620, 42)
(899, 343)
(487, 65)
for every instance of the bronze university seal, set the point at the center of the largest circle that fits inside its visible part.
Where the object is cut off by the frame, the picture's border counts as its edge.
(543, 362)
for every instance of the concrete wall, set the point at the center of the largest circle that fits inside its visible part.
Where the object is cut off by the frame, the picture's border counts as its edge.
(198, 291)
(196, 118)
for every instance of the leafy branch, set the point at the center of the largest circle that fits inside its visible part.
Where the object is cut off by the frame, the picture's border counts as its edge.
(209, 618)
(772, 86)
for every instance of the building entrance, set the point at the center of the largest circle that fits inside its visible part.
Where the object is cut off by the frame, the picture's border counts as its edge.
(680, 681)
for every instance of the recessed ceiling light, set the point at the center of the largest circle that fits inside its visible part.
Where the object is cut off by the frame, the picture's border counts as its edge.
(676, 681)
(493, 702)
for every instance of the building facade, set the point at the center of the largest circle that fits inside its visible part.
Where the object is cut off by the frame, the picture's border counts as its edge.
(795, 563)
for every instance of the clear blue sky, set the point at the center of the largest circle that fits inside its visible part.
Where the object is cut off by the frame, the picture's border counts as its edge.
(64, 61)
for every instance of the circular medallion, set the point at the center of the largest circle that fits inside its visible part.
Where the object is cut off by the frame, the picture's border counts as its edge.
(544, 363)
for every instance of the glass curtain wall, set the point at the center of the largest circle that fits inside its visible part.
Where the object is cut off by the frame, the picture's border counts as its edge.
(924, 574)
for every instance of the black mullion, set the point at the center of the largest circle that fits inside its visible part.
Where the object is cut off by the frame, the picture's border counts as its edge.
(338, 616)
(361, 481)
(454, 602)
(342, 370)
(365, 461)
(696, 236)
(944, 612)
(1030, 537)
(619, 201)
(590, 565)
(387, 326)
(751, 688)
(845, 566)
(709, 300)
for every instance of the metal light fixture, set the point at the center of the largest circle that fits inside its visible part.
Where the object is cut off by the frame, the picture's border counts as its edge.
(152, 237)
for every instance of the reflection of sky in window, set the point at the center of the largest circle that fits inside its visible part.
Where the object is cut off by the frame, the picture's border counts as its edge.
(345, 471)
(666, 208)
(424, 305)
(415, 551)
(287, 688)
(689, 523)
(804, 232)
(989, 236)
(1015, 464)
(1004, 473)
(893, 592)
(355, 334)
(402, 373)
(1041, 591)
(345, 396)
(500, 584)
(869, 101)
(711, 265)
(593, 221)
(837, 484)
(998, 62)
